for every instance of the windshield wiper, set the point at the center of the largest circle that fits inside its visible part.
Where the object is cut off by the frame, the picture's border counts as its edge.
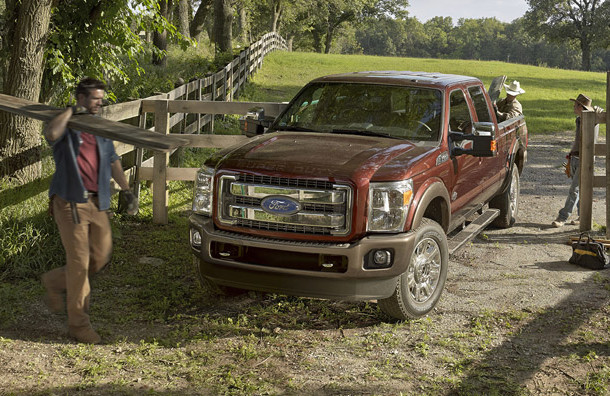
(364, 133)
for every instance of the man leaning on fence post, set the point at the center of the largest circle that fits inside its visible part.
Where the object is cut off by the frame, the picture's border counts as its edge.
(581, 103)
(80, 199)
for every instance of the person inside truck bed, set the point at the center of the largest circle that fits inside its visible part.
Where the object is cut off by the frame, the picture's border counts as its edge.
(509, 107)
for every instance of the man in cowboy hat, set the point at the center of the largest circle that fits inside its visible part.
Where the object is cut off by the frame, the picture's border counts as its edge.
(509, 107)
(581, 103)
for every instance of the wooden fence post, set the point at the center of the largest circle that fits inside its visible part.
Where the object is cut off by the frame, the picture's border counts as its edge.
(160, 190)
(587, 148)
(213, 93)
(607, 155)
(199, 95)
(139, 157)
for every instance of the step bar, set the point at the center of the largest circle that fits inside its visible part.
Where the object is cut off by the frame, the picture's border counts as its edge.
(472, 230)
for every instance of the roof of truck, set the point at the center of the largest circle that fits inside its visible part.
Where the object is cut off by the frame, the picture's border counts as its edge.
(399, 78)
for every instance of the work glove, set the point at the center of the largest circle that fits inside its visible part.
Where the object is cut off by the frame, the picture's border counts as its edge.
(128, 203)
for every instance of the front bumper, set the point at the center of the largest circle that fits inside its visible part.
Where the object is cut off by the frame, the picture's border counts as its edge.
(308, 269)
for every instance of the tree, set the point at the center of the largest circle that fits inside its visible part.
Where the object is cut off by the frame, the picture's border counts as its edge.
(199, 18)
(223, 21)
(184, 17)
(585, 21)
(48, 45)
(160, 35)
(28, 26)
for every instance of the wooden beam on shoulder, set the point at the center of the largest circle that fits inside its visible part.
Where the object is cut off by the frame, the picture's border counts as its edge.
(94, 125)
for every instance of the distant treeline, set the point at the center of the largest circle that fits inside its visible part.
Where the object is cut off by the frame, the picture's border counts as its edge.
(439, 37)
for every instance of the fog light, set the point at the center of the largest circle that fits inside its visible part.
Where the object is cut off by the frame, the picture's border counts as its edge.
(382, 257)
(195, 238)
(379, 259)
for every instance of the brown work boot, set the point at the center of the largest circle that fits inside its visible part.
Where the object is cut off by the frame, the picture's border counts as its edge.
(85, 335)
(53, 299)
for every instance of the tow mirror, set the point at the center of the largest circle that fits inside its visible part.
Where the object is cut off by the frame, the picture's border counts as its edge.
(250, 124)
(255, 122)
(483, 141)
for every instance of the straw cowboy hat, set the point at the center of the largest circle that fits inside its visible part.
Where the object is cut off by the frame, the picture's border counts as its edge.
(584, 101)
(514, 88)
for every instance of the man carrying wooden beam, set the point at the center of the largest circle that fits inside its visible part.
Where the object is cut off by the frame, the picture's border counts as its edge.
(80, 199)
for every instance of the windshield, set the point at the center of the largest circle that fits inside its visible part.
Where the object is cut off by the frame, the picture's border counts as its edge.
(394, 111)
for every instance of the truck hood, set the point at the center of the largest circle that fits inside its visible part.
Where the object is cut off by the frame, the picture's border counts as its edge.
(315, 155)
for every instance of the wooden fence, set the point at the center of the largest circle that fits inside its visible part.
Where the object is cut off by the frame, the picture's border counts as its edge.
(189, 109)
(588, 150)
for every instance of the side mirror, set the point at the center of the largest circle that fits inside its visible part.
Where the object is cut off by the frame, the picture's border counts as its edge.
(255, 122)
(251, 123)
(483, 141)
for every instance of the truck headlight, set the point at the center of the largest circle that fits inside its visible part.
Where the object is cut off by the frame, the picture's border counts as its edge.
(388, 205)
(204, 191)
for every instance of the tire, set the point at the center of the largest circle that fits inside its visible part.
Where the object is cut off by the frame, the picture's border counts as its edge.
(508, 202)
(420, 287)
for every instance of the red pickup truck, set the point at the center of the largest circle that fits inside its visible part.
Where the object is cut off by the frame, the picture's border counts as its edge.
(360, 189)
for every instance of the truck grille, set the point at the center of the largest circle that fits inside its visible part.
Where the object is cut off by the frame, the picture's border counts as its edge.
(319, 207)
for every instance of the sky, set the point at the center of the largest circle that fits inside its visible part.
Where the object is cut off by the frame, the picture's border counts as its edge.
(503, 10)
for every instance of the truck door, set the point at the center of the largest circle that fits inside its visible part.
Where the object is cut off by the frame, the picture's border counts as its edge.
(465, 167)
(490, 170)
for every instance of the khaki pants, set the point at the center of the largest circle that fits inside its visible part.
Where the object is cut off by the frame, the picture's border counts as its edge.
(88, 247)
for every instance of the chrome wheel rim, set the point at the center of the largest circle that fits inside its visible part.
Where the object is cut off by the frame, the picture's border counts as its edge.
(514, 195)
(425, 270)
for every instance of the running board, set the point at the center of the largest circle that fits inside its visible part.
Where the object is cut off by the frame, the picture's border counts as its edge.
(472, 230)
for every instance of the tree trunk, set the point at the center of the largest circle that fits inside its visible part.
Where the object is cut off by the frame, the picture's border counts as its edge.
(199, 18)
(184, 17)
(275, 16)
(317, 40)
(160, 38)
(329, 39)
(243, 26)
(20, 148)
(223, 31)
(585, 46)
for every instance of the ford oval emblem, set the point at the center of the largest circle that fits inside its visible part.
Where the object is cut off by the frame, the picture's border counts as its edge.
(280, 205)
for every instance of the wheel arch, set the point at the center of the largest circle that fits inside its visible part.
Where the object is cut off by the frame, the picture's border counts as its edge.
(433, 203)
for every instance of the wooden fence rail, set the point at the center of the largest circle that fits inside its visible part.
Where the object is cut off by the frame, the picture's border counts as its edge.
(189, 110)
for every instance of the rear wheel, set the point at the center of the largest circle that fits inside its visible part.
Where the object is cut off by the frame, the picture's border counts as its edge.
(508, 202)
(420, 287)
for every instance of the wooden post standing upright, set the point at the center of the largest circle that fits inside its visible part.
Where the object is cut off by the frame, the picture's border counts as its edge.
(607, 154)
(587, 147)
(161, 161)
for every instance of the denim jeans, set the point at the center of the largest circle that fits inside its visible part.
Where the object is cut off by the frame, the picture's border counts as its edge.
(572, 199)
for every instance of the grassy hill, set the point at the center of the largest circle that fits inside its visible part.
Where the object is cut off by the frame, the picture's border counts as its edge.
(546, 102)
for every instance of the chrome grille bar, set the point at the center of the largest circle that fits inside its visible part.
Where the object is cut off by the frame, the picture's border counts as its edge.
(323, 211)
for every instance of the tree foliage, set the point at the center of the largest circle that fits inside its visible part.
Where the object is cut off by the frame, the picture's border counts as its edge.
(583, 21)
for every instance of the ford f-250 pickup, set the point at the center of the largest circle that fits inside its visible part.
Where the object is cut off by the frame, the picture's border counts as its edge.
(360, 189)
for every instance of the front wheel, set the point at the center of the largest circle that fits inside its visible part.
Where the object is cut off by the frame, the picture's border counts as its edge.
(508, 202)
(420, 287)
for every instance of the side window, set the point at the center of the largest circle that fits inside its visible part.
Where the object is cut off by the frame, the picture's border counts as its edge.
(459, 115)
(480, 104)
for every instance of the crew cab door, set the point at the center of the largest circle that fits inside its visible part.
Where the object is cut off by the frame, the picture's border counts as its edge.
(465, 167)
(473, 176)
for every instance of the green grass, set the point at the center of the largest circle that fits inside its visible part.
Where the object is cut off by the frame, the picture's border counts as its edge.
(546, 102)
